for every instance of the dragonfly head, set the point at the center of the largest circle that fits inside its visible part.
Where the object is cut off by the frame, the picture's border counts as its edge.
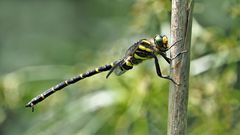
(161, 42)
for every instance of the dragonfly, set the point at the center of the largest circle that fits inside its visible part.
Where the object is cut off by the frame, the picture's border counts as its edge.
(140, 51)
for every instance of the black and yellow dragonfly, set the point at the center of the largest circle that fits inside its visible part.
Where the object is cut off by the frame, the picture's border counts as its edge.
(142, 50)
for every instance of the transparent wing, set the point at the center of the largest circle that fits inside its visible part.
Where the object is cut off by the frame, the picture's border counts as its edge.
(132, 49)
(116, 64)
(119, 70)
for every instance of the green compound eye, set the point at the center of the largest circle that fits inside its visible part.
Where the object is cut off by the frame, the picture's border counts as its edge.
(158, 40)
(161, 41)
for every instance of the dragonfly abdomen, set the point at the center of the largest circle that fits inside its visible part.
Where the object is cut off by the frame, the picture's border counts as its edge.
(65, 83)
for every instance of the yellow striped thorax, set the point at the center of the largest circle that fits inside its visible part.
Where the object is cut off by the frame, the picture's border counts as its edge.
(139, 57)
(146, 41)
(145, 48)
(128, 63)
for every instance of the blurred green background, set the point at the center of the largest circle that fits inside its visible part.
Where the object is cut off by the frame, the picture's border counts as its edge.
(45, 42)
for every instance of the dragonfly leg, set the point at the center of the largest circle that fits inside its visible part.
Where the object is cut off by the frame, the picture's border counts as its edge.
(170, 59)
(166, 58)
(174, 44)
(158, 69)
(185, 51)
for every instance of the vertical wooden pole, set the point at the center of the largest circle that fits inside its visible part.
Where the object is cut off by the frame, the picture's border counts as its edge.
(181, 21)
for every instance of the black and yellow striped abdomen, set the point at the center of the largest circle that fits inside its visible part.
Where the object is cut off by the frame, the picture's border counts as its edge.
(65, 83)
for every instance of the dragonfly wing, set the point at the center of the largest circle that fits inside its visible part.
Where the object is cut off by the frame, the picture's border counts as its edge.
(132, 49)
(116, 64)
(119, 70)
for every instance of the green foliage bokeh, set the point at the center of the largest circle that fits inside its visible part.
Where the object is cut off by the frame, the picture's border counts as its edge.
(45, 42)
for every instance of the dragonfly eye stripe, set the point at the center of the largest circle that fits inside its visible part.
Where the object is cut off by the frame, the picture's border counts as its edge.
(164, 40)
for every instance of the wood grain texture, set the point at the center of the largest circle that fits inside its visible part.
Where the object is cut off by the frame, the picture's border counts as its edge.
(181, 21)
